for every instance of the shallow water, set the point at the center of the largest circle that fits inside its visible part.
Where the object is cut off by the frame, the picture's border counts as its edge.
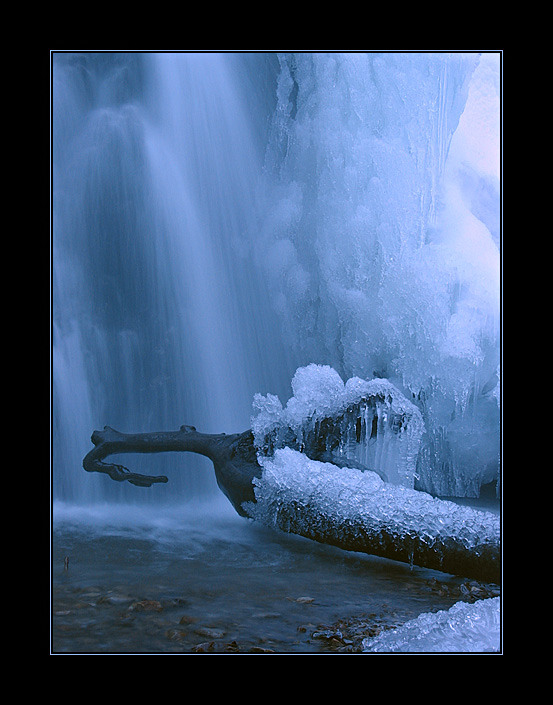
(200, 579)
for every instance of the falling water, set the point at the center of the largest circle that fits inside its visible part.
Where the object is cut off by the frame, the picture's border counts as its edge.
(158, 316)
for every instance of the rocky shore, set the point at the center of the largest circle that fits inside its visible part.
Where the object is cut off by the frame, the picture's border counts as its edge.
(92, 619)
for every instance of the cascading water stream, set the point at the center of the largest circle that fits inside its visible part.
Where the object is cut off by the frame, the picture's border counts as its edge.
(158, 317)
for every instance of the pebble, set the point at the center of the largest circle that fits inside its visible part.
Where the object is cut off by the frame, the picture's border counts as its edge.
(204, 648)
(210, 633)
(175, 634)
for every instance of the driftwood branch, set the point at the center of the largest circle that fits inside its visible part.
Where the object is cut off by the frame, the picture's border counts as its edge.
(236, 466)
(233, 455)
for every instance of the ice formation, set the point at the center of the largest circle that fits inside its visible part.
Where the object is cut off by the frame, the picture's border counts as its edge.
(463, 628)
(380, 238)
(366, 423)
(324, 502)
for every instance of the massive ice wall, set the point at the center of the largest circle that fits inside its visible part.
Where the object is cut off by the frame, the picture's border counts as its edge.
(380, 237)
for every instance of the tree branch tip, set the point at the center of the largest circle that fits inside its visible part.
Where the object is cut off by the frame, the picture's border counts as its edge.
(96, 437)
(145, 480)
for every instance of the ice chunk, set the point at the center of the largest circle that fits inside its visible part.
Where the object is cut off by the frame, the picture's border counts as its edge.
(268, 414)
(463, 628)
(318, 391)
(364, 423)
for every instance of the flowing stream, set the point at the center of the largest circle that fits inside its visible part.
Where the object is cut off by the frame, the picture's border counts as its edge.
(202, 580)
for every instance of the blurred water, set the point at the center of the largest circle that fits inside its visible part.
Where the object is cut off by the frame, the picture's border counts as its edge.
(159, 318)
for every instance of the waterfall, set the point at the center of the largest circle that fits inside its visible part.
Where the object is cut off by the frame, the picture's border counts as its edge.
(159, 318)
(222, 219)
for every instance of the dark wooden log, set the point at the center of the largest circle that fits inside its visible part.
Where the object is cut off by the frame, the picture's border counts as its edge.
(234, 458)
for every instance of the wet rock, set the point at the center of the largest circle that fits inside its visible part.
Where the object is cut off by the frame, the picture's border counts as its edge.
(175, 634)
(114, 600)
(302, 600)
(346, 635)
(206, 647)
(260, 650)
(187, 619)
(328, 634)
(210, 633)
(468, 590)
(146, 606)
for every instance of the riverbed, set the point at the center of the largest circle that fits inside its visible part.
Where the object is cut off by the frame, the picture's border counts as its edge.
(199, 579)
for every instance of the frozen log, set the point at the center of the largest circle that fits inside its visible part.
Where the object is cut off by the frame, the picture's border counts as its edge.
(357, 511)
(346, 507)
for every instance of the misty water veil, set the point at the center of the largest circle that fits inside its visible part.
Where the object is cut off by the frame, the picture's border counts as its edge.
(223, 220)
